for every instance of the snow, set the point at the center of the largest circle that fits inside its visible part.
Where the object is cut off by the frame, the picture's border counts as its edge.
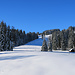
(29, 60)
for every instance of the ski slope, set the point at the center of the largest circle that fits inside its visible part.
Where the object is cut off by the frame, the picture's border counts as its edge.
(29, 60)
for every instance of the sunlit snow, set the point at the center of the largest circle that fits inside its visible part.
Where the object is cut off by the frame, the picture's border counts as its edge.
(29, 60)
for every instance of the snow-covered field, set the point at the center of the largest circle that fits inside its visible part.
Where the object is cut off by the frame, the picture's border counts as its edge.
(29, 60)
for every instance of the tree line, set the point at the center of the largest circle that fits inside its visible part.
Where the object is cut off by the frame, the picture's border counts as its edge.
(13, 37)
(64, 39)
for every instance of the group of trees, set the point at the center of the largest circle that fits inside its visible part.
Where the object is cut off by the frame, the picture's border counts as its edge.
(64, 39)
(47, 46)
(13, 37)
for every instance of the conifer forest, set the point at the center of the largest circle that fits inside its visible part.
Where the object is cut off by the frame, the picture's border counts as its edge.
(63, 40)
(10, 38)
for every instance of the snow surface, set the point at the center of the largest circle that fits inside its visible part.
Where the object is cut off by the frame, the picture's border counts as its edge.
(29, 60)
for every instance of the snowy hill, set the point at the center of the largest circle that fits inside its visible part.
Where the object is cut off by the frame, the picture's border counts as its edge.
(29, 60)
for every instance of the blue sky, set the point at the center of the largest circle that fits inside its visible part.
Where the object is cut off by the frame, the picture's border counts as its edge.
(38, 15)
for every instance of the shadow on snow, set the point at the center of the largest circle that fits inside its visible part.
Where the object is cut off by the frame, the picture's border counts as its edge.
(15, 57)
(37, 42)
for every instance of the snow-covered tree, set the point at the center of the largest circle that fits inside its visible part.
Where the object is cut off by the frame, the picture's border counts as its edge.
(54, 41)
(70, 37)
(2, 36)
(12, 37)
(63, 41)
(44, 46)
(50, 43)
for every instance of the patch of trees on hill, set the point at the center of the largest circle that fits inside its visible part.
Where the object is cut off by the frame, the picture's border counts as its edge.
(64, 39)
(47, 32)
(13, 37)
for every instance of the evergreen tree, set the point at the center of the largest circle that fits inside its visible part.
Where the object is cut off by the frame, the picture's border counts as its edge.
(44, 46)
(33, 35)
(24, 37)
(42, 36)
(12, 35)
(54, 40)
(37, 33)
(59, 41)
(74, 40)
(5, 30)
(63, 41)
(50, 43)
(8, 38)
(70, 38)
(2, 37)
